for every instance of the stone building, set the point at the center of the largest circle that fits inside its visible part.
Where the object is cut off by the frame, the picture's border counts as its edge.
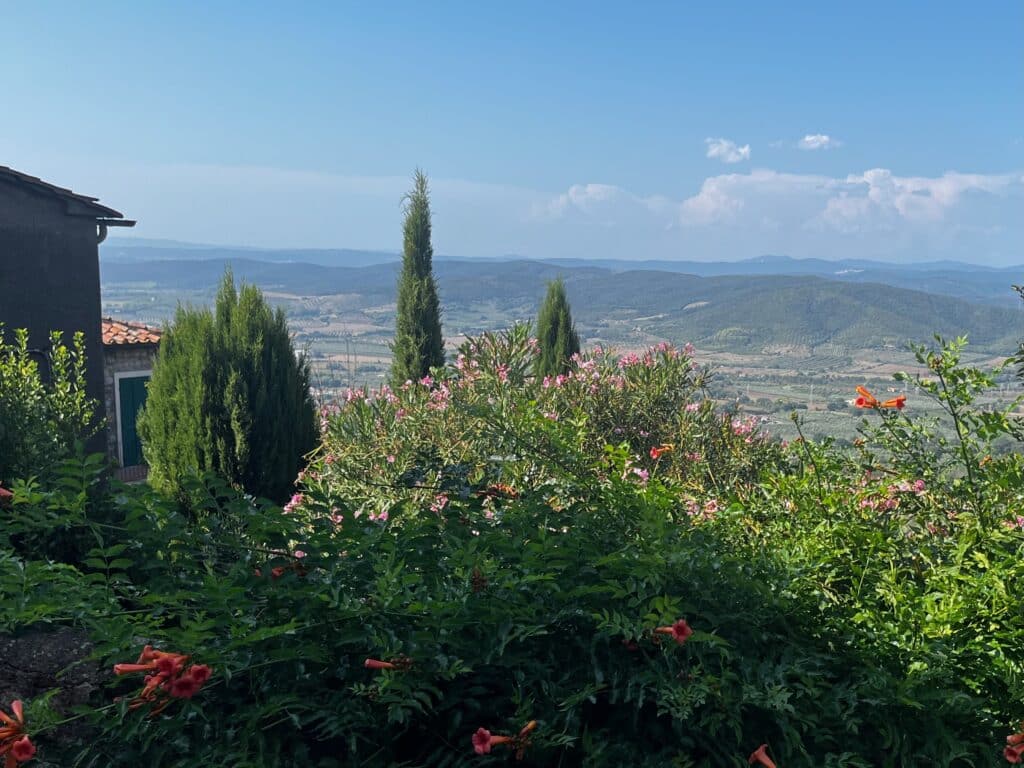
(128, 353)
(49, 267)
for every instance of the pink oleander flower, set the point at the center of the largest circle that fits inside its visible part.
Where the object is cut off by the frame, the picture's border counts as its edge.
(298, 554)
(295, 501)
(440, 502)
(391, 458)
(692, 407)
(502, 371)
(629, 360)
(427, 381)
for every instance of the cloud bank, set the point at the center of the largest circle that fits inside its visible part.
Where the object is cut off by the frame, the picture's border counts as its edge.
(876, 213)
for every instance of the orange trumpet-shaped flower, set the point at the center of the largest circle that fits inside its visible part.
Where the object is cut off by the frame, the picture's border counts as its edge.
(168, 678)
(15, 745)
(660, 450)
(680, 631)
(483, 740)
(760, 756)
(898, 402)
(22, 750)
(401, 663)
(867, 400)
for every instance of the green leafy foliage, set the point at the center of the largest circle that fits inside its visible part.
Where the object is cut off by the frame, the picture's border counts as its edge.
(515, 549)
(556, 333)
(229, 395)
(43, 412)
(418, 345)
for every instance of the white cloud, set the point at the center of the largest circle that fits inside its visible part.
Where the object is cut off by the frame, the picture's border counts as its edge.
(727, 151)
(818, 141)
(874, 214)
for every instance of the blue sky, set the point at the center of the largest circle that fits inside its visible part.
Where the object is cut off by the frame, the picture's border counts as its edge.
(641, 130)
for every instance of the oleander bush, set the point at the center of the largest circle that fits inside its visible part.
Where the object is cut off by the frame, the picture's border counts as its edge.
(598, 568)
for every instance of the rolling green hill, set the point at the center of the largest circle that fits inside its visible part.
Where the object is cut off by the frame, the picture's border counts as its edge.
(740, 313)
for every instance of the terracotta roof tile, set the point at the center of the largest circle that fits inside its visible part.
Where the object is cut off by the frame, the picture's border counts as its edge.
(123, 332)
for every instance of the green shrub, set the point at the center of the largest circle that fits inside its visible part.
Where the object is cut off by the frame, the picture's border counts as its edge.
(41, 416)
(229, 395)
(504, 550)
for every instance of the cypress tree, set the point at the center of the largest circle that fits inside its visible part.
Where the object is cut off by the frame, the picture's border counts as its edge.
(418, 344)
(229, 395)
(556, 333)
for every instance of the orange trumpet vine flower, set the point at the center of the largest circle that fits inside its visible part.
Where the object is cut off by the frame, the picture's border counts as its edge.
(658, 451)
(483, 740)
(168, 678)
(760, 756)
(15, 745)
(867, 400)
(680, 631)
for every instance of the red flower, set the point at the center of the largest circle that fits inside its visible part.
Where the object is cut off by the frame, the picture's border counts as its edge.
(184, 687)
(1013, 754)
(5, 497)
(23, 749)
(483, 741)
(658, 451)
(866, 399)
(13, 741)
(377, 664)
(680, 631)
(1015, 739)
(760, 756)
(168, 677)
(200, 673)
(169, 666)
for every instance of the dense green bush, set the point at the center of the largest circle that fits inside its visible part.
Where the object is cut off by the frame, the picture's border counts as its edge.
(229, 395)
(42, 413)
(485, 549)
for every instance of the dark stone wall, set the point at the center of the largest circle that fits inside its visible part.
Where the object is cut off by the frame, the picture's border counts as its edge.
(50, 277)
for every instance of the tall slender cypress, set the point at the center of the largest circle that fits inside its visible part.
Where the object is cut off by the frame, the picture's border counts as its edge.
(556, 333)
(418, 344)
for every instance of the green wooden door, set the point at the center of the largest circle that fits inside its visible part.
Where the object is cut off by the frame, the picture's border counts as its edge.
(132, 392)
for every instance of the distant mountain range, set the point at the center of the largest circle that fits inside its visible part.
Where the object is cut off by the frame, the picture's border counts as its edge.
(746, 312)
(970, 282)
